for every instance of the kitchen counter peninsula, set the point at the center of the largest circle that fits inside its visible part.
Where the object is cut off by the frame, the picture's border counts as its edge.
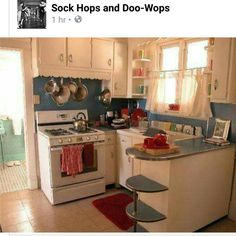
(198, 178)
(186, 148)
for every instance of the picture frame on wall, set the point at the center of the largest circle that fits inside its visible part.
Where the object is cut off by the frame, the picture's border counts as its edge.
(221, 129)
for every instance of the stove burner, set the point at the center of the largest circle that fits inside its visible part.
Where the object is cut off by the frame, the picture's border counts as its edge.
(88, 130)
(58, 132)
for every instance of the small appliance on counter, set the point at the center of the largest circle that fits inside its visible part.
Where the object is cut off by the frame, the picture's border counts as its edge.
(119, 123)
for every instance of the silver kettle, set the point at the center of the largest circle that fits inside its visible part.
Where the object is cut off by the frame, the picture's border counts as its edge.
(80, 123)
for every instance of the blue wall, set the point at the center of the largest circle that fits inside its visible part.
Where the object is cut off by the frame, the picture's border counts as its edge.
(219, 110)
(95, 108)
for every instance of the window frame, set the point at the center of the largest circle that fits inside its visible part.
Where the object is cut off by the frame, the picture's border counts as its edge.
(186, 42)
(183, 55)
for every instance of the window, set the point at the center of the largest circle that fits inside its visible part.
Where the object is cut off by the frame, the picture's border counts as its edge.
(170, 58)
(176, 83)
(196, 54)
(170, 64)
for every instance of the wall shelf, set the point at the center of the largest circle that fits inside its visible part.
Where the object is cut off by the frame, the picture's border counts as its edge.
(139, 77)
(141, 60)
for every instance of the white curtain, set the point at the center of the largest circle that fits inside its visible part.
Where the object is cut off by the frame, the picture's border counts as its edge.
(201, 105)
(11, 90)
(188, 93)
(163, 92)
(191, 91)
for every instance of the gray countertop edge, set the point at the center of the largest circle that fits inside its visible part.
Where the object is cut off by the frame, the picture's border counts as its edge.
(133, 153)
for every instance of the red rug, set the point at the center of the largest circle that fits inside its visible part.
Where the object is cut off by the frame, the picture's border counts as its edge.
(113, 207)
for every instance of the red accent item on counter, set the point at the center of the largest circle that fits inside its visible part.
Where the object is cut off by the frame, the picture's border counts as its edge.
(124, 111)
(137, 113)
(159, 141)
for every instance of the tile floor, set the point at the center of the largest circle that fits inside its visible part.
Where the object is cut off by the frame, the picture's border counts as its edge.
(30, 211)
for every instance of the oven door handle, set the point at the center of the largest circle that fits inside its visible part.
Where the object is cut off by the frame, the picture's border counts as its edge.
(59, 148)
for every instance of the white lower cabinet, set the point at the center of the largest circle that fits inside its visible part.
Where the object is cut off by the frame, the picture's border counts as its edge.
(110, 154)
(127, 166)
(124, 161)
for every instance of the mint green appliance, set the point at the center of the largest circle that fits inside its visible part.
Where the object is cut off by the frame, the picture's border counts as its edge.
(2, 132)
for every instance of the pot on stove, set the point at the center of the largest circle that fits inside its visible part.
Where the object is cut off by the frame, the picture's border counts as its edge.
(80, 123)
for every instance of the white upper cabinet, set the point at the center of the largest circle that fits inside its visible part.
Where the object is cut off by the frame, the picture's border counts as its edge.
(224, 71)
(120, 69)
(52, 51)
(73, 57)
(102, 54)
(79, 52)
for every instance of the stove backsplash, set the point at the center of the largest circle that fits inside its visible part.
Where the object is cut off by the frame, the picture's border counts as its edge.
(91, 103)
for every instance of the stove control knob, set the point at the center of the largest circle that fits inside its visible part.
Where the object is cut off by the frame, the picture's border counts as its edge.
(79, 139)
(96, 137)
(60, 141)
(69, 140)
(88, 138)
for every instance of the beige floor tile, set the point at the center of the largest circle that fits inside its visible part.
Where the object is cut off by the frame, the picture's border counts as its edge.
(11, 206)
(223, 225)
(22, 227)
(14, 218)
(102, 222)
(9, 196)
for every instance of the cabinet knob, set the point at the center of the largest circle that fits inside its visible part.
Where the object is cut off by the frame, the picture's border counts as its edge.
(70, 58)
(215, 84)
(116, 86)
(61, 57)
(109, 62)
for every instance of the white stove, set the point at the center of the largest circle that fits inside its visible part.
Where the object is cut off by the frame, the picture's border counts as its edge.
(55, 131)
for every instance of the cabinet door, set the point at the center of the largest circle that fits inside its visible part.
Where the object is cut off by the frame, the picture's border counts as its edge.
(110, 164)
(136, 162)
(102, 54)
(120, 70)
(220, 76)
(125, 162)
(79, 52)
(52, 51)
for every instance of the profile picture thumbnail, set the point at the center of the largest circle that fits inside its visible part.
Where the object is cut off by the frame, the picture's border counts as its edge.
(31, 14)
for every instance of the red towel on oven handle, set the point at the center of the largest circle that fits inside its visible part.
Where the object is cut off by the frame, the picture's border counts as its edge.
(88, 155)
(71, 159)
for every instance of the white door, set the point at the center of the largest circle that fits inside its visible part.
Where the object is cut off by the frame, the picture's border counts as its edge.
(220, 74)
(136, 162)
(120, 70)
(79, 52)
(125, 162)
(110, 164)
(102, 54)
(52, 51)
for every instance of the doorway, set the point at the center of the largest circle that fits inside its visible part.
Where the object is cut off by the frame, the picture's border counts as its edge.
(13, 174)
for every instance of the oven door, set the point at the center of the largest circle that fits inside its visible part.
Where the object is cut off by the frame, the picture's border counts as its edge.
(61, 179)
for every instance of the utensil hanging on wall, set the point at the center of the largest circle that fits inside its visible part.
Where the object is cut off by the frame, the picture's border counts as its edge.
(51, 87)
(105, 97)
(73, 89)
(63, 95)
(82, 92)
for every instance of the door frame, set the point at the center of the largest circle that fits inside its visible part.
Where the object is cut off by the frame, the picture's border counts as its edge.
(24, 46)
